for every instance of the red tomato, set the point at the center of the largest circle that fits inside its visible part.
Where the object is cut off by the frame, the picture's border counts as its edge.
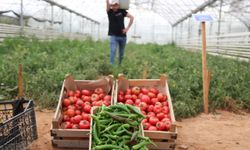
(84, 124)
(165, 109)
(72, 120)
(160, 116)
(101, 96)
(144, 91)
(140, 95)
(154, 100)
(121, 93)
(87, 108)
(78, 112)
(77, 93)
(144, 113)
(72, 107)
(78, 107)
(133, 97)
(121, 98)
(145, 98)
(160, 126)
(136, 90)
(137, 102)
(99, 103)
(150, 108)
(127, 96)
(144, 120)
(128, 91)
(166, 119)
(146, 125)
(78, 118)
(167, 124)
(106, 103)
(166, 116)
(86, 98)
(70, 93)
(151, 95)
(79, 102)
(85, 116)
(153, 120)
(75, 126)
(98, 90)
(68, 125)
(66, 118)
(73, 99)
(150, 114)
(158, 104)
(143, 105)
(71, 112)
(94, 97)
(154, 90)
(107, 98)
(165, 103)
(87, 103)
(157, 109)
(152, 128)
(160, 97)
(66, 102)
(86, 92)
(129, 101)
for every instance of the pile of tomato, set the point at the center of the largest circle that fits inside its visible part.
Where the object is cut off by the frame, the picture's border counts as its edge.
(77, 107)
(152, 103)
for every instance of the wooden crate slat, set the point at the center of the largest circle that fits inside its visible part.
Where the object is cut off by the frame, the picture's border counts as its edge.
(70, 133)
(170, 145)
(160, 135)
(83, 144)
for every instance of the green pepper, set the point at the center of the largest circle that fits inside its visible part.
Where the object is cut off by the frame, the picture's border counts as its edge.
(135, 110)
(140, 145)
(121, 107)
(134, 136)
(97, 124)
(111, 127)
(95, 136)
(107, 146)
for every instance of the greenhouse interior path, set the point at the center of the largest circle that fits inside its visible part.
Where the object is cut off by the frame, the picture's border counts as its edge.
(219, 131)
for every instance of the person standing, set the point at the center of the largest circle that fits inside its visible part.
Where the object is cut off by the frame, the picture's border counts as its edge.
(117, 30)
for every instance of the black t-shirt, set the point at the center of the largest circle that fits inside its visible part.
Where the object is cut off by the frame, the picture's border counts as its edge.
(116, 22)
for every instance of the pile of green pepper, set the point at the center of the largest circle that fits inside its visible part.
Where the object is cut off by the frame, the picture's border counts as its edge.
(117, 127)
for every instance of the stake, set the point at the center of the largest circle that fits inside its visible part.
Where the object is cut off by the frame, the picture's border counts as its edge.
(20, 81)
(204, 68)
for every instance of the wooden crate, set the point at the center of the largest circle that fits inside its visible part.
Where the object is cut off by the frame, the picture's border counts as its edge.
(76, 138)
(163, 139)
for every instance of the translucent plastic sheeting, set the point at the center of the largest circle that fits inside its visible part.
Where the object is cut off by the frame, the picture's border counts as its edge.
(153, 18)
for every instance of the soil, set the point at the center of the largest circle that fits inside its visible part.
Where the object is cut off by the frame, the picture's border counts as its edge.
(219, 131)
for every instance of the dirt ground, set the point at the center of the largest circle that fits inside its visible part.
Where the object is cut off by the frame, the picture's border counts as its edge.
(220, 131)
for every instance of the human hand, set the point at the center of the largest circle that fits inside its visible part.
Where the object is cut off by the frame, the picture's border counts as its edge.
(125, 30)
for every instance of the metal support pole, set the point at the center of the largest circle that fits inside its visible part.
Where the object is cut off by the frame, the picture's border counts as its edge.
(172, 34)
(52, 16)
(219, 21)
(83, 25)
(62, 19)
(21, 18)
(98, 31)
(189, 30)
(219, 25)
(181, 30)
(70, 22)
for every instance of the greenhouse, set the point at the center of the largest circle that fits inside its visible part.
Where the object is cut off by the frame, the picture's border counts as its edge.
(125, 74)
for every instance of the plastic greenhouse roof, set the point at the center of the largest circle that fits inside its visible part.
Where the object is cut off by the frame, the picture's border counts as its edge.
(173, 11)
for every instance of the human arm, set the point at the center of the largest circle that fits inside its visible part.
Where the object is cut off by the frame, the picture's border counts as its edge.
(107, 5)
(131, 20)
